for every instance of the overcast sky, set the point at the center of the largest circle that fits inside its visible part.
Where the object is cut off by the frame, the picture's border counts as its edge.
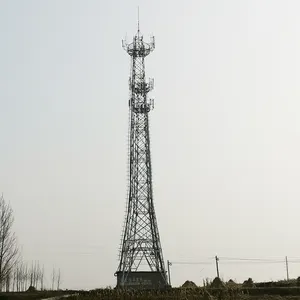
(225, 132)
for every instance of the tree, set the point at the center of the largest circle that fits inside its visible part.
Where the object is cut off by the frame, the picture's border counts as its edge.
(53, 278)
(58, 280)
(42, 278)
(8, 243)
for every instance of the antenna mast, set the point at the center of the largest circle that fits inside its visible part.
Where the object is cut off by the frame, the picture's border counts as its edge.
(138, 20)
(141, 262)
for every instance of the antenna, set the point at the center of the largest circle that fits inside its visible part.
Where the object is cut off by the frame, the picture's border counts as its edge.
(138, 19)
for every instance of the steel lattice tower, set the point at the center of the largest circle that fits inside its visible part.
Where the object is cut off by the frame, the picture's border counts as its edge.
(140, 244)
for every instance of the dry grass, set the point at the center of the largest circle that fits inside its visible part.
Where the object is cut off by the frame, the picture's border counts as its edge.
(223, 293)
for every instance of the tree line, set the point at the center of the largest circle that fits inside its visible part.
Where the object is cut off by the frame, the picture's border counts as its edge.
(15, 274)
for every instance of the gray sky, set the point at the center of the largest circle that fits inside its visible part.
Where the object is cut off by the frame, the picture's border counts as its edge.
(225, 132)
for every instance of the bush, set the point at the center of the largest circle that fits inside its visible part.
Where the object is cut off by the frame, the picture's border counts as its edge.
(189, 284)
(248, 283)
(217, 283)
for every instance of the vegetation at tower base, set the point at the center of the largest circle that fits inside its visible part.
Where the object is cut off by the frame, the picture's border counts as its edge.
(190, 291)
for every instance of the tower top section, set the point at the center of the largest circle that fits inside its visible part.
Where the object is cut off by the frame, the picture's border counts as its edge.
(138, 48)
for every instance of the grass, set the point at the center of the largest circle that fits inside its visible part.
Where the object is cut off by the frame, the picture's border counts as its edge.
(193, 293)
(32, 295)
(214, 290)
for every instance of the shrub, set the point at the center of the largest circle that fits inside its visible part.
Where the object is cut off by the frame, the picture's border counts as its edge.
(248, 283)
(217, 283)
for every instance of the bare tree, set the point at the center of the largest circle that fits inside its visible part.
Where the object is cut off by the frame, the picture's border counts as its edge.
(14, 278)
(25, 277)
(18, 277)
(8, 242)
(8, 280)
(42, 278)
(53, 278)
(35, 272)
(31, 274)
(38, 274)
(58, 279)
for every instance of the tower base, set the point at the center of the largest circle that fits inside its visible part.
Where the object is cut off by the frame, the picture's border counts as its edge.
(142, 280)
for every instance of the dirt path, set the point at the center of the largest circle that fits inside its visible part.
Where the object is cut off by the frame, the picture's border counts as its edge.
(59, 297)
